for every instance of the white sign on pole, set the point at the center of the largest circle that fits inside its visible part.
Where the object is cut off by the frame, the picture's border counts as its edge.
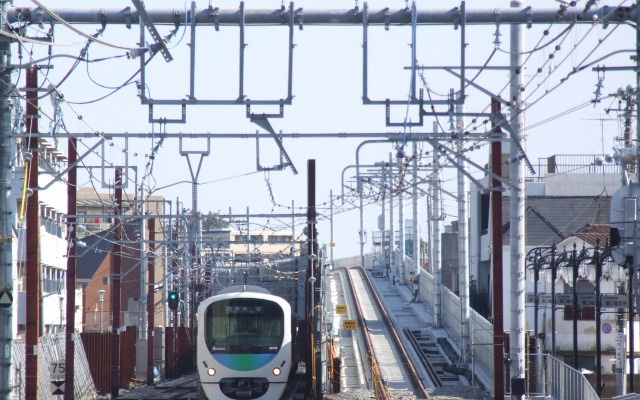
(56, 368)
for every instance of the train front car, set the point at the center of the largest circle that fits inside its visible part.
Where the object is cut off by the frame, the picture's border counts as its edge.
(244, 345)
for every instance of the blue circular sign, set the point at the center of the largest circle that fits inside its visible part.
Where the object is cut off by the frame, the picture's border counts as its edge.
(606, 327)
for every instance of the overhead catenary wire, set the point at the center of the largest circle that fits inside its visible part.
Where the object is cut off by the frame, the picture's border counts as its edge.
(79, 32)
(492, 53)
(35, 41)
(55, 88)
(575, 70)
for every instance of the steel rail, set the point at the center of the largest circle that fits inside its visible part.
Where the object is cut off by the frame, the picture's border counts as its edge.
(406, 360)
(180, 390)
(407, 363)
(380, 389)
(431, 371)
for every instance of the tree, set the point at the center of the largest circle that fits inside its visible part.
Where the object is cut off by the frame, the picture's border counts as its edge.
(213, 221)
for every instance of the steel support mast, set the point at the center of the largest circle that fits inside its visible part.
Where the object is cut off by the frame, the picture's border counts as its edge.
(392, 236)
(32, 264)
(6, 214)
(463, 247)
(436, 217)
(517, 206)
(416, 243)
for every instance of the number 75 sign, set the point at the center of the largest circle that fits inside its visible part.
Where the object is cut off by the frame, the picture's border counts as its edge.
(56, 368)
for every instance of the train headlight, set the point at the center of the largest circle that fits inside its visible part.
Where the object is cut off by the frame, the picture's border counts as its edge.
(211, 372)
(277, 371)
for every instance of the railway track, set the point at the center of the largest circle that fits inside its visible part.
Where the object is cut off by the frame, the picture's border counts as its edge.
(432, 358)
(185, 388)
(349, 348)
(390, 365)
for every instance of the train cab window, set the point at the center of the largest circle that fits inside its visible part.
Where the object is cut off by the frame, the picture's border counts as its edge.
(244, 326)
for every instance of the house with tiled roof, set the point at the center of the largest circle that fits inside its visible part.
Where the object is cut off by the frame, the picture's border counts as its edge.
(567, 193)
(92, 274)
(567, 202)
(94, 233)
(94, 265)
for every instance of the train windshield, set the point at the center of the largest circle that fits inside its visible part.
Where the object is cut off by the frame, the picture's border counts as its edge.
(242, 326)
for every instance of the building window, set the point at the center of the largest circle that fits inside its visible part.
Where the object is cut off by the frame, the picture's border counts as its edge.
(586, 362)
(105, 280)
(485, 204)
(257, 239)
(584, 313)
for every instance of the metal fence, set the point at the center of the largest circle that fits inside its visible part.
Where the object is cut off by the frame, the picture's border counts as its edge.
(574, 163)
(549, 377)
(51, 348)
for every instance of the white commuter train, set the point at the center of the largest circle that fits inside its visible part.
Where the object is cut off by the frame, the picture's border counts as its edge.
(244, 345)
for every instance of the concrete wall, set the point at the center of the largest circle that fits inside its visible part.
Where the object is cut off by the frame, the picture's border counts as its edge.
(580, 184)
(480, 329)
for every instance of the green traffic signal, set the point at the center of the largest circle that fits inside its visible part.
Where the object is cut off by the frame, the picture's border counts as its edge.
(174, 300)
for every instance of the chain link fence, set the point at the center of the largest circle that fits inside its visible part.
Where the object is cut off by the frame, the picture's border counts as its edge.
(51, 348)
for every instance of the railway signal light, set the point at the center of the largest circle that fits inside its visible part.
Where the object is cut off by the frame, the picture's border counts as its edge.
(174, 299)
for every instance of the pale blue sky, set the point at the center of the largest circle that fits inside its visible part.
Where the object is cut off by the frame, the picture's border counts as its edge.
(328, 89)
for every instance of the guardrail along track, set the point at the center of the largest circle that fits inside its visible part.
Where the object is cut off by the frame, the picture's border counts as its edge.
(380, 387)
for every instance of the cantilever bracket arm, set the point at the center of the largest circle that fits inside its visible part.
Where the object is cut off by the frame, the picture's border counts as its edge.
(259, 166)
(69, 167)
(445, 151)
(146, 20)
(505, 125)
(262, 121)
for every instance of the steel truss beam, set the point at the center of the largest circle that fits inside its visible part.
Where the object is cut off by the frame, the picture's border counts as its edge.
(391, 136)
(383, 17)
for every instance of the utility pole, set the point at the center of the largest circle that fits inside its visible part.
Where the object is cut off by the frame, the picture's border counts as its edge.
(33, 244)
(315, 280)
(382, 223)
(331, 242)
(116, 277)
(496, 256)
(435, 221)
(6, 214)
(416, 242)
(141, 348)
(361, 230)
(150, 298)
(463, 244)
(517, 207)
(392, 236)
(71, 270)
(399, 272)
(634, 305)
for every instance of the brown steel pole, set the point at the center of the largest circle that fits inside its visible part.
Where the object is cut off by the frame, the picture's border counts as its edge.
(151, 266)
(496, 246)
(115, 289)
(33, 246)
(312, 248)
(71, 270)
